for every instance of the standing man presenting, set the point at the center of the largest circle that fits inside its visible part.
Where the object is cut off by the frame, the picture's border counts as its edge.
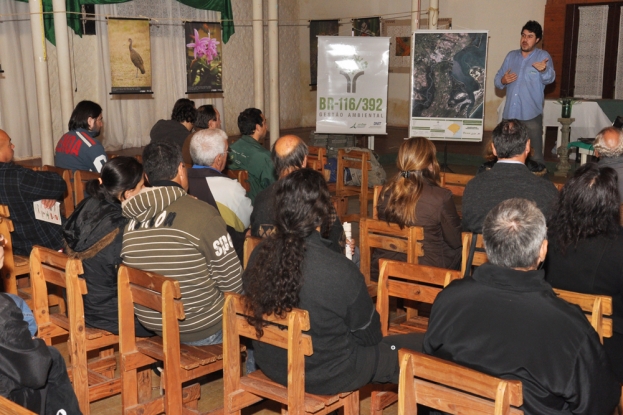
(524, 73)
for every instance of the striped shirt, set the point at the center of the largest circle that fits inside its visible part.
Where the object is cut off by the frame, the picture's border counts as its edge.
(180, 237)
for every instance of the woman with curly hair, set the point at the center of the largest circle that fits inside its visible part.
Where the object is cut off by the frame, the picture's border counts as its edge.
(294, 267)
(414, 198)
(585, 245)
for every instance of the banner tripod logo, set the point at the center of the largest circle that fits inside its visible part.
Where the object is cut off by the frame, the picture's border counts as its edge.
(352, 69)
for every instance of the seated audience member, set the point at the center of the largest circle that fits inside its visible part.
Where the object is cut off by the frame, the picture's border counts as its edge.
(178, 236)
(609, 148)
(247, 153)
(19, 188)
(538, 169)
(289, 154)
(508, 178)
(413, 198)
(207, 183)
(585, 245)
(93, 234)
(506, 321)
(207, 117)
(79, 149)
(177, 128)
(32, 374)
(293, 267)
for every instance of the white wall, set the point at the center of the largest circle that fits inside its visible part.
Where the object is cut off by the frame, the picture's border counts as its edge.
(502, 18)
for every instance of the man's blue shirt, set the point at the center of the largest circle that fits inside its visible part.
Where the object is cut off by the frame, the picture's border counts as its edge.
(524, 97)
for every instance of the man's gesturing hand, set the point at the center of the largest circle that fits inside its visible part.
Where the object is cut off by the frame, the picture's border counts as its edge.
(540, 66)
(509, 77)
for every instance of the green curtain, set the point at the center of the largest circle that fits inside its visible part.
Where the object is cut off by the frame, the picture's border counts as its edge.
(73, 19)
(223, 6)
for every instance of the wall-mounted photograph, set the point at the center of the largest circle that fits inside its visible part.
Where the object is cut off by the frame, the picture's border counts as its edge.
(204, 59)
(129, 44)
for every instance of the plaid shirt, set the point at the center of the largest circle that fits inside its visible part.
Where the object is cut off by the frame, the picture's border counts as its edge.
(19, 188)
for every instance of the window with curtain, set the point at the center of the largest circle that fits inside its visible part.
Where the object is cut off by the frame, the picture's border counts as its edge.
(593, 56)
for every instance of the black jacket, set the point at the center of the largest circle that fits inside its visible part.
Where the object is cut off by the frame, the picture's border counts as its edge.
(510, 324)
(169, 130)
(344, 325)
(24, 361)
(93, 234)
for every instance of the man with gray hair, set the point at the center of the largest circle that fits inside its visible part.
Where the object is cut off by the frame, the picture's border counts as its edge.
(206, 182)
(609, 148)
(506, 321)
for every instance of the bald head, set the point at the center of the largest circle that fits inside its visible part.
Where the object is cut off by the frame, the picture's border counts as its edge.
(609, 142)
(6, 148)
(289, 153)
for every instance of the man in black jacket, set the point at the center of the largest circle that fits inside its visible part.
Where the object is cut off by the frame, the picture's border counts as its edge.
(32, 374)
(506, 321)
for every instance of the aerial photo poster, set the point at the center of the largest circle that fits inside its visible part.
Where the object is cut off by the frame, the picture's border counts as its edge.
(352, 85)
(448, 84)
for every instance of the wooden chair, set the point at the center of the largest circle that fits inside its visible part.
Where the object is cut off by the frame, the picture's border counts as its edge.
(380, 234)
(68, 199)
(139, 158)
(453, 389)
(81, 177)
(182, 363)
(241, 392)
(316, 158)
(597, 308)
(411, 282)
(354, 160)
(479, 257)
(242, 176)
(455, 182)
(250, 243)
(14, 265)
(92, 380)
(8, 407)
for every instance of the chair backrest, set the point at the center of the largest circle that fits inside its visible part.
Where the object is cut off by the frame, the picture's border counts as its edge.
(8, 407)
(381, 234)
(10, 269)
(452, 388)
(316, 158)
(49, 267)
(375, 201)
(139, 158)
(81, 177)
(479, 256)
(412, 282)
(597, 308)
(354, 159)
(250, 243)
(455, 182)
(155, 292)
(68, 198)
(298, 345)
(242, 176)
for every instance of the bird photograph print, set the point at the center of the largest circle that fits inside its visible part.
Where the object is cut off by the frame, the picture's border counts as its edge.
(130, 55)
(204, 64)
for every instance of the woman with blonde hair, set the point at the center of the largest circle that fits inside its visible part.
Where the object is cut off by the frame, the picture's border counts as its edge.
(414, 198)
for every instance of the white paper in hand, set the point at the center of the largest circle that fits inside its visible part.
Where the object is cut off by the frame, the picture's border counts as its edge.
(52, 215)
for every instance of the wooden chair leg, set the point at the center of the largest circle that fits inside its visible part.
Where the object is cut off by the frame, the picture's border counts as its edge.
(382, 399)
(351, 404)
(143, 383)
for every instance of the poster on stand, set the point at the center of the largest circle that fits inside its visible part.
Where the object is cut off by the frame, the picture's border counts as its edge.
(204, 63)
(129, 45)
(448, 69)
(352, 85)
(319, 28)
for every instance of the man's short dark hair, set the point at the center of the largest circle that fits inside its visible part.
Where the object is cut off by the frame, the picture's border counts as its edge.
(534, 27)
(513, 232)
(509, 138)
(184, 111)
(248, 119)
(293, 159)
(205, 114)
(81, 114)
(161, 161)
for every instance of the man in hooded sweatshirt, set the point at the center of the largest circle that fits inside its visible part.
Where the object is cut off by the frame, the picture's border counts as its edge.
(178, 236)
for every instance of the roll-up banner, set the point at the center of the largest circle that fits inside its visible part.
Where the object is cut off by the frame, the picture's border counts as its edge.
(352, 85)
(130, 56)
